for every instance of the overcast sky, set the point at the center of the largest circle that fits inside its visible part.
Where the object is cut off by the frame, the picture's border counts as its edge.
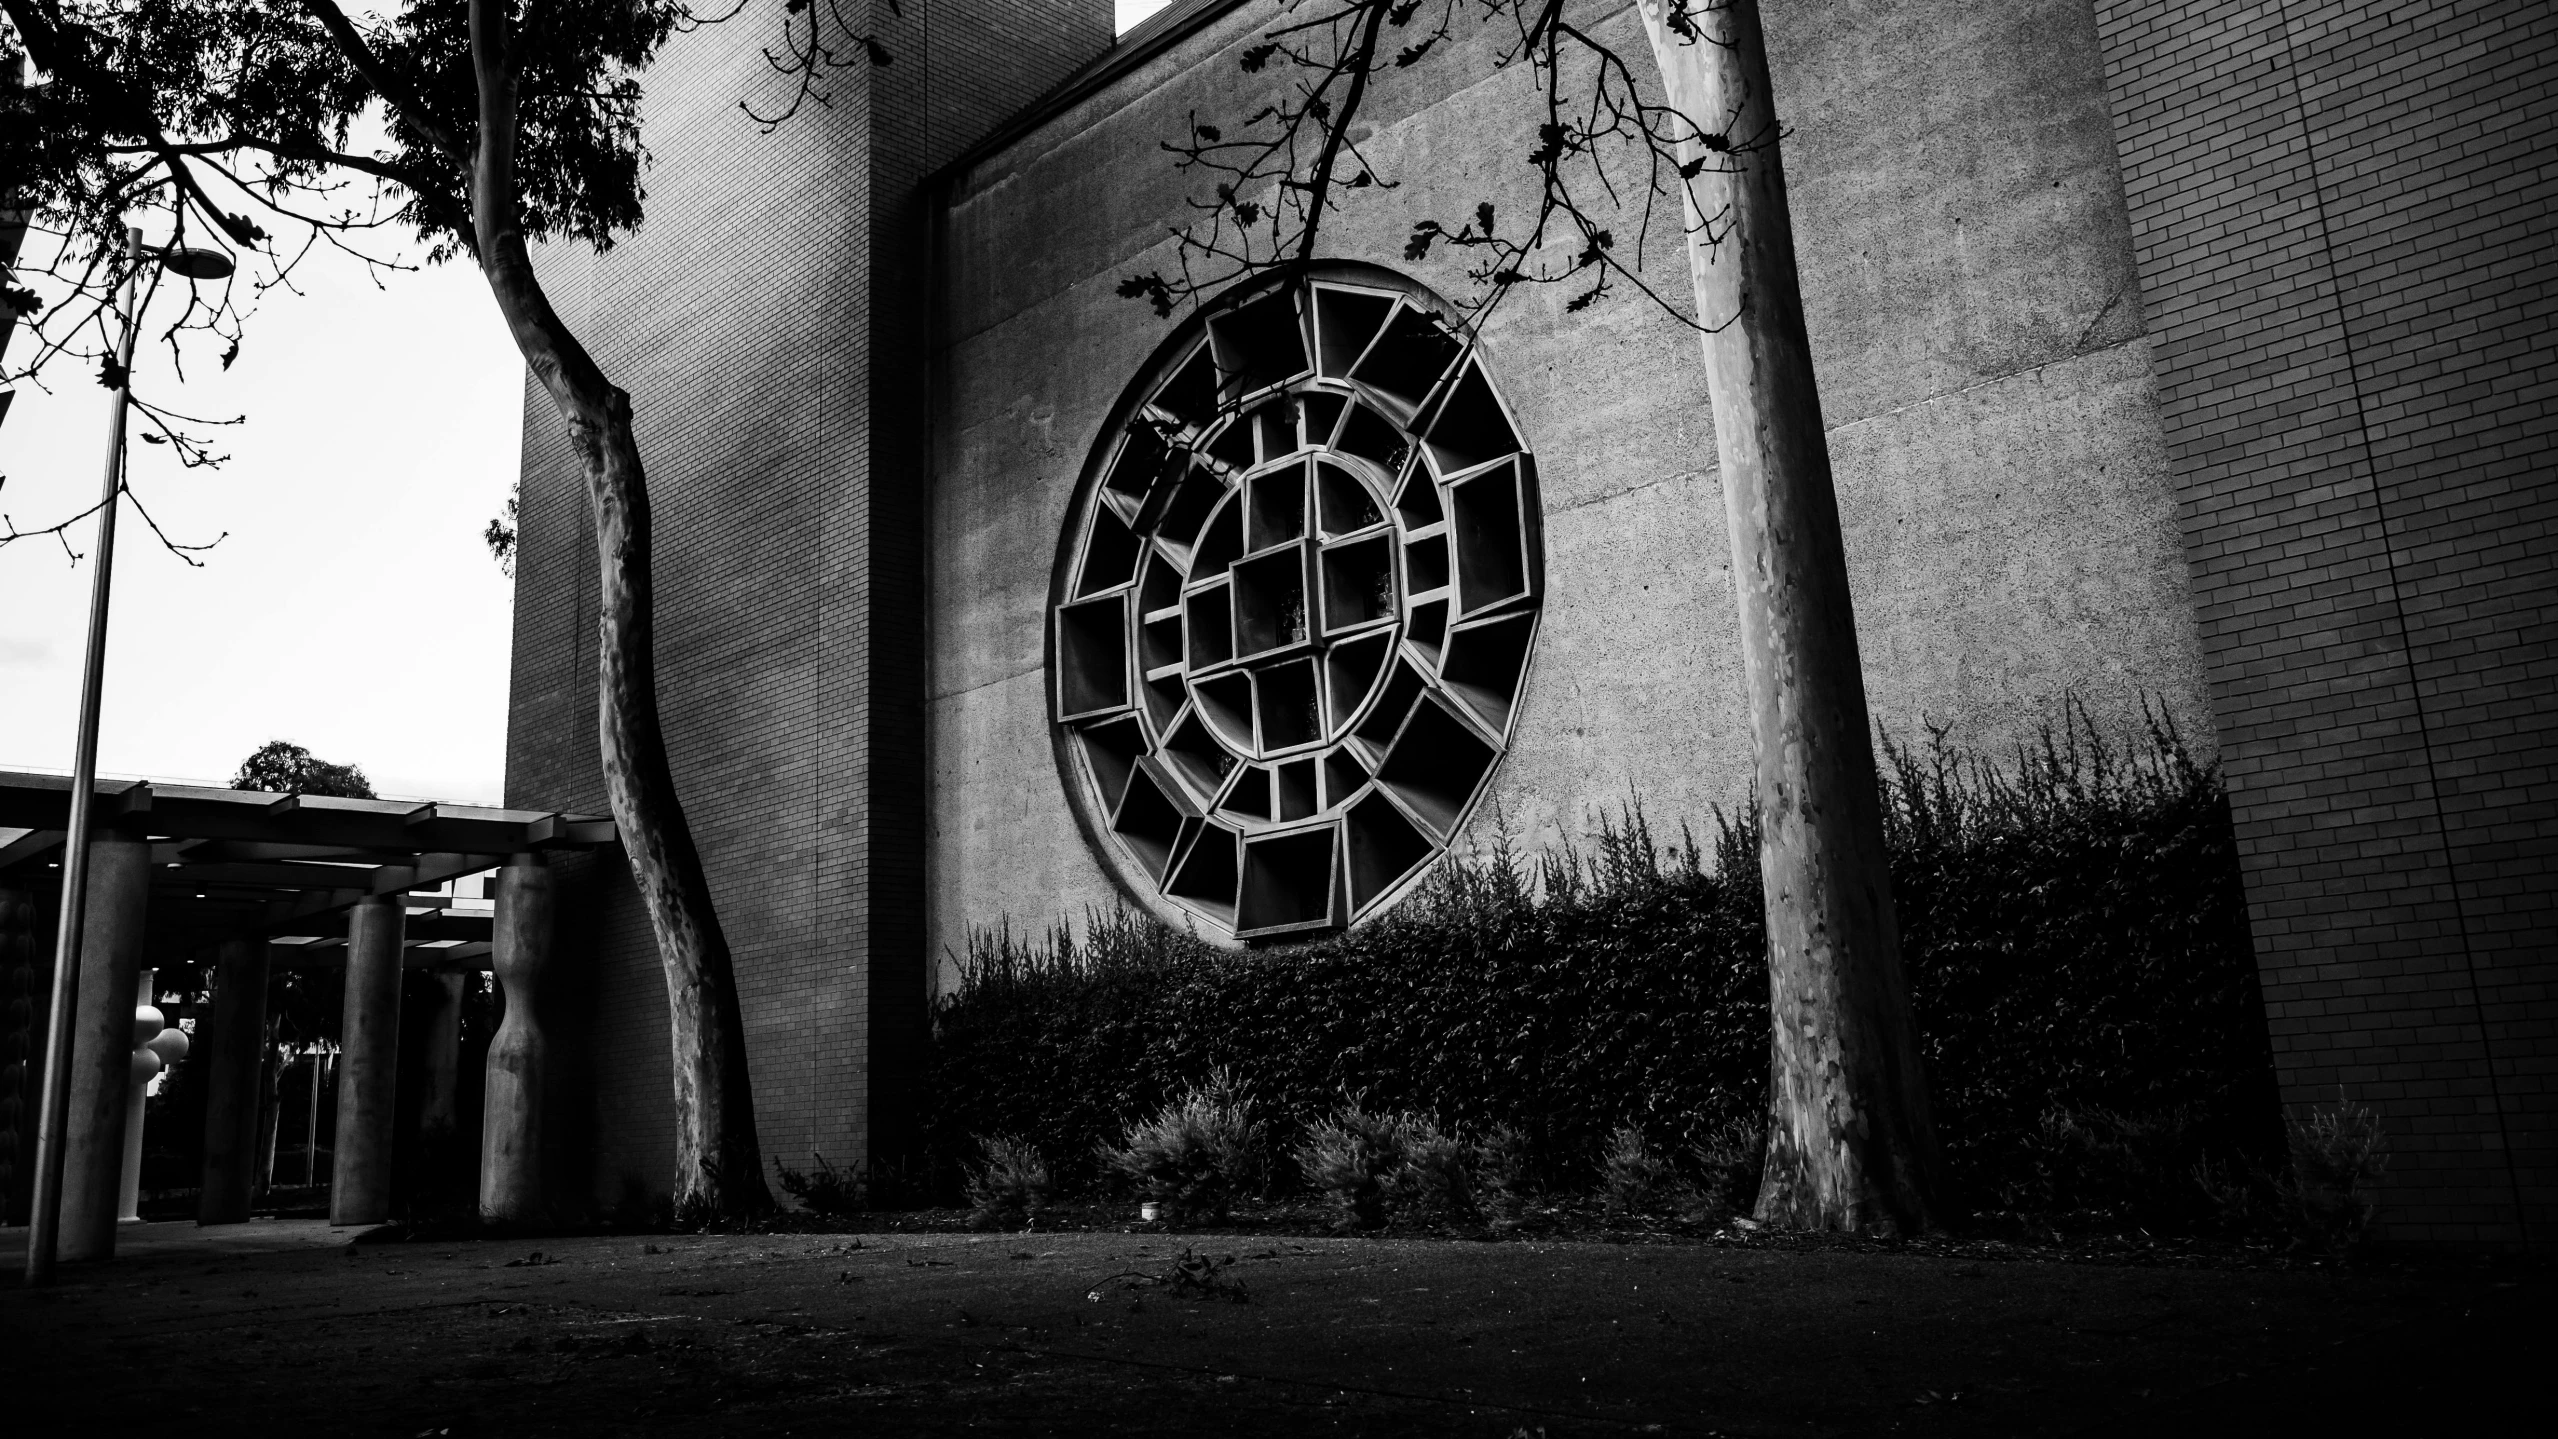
(351, 608)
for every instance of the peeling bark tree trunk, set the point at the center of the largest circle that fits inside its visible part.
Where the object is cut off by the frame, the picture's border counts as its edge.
(718, 1162)
(1851, 1145)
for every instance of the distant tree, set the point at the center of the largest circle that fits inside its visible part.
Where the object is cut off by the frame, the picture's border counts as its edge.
(500, 534)
(1851, 1144)
(281, 768)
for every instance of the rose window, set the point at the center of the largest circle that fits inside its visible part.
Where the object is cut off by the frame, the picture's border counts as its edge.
(1295, 606)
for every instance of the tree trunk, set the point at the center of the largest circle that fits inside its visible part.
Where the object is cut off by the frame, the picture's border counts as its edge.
(1851, 1145)
(718, 1162)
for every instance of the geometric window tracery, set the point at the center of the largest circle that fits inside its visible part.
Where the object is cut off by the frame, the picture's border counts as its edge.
(1295, 607)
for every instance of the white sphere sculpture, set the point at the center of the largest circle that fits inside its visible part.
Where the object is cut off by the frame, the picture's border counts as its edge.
(170, 1044)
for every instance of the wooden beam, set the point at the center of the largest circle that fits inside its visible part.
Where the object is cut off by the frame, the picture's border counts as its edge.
(28, 847)
(209, 850)
(284, 914)
(267, 876)
(30, 801)
(434, 869)
(461, 957)
(437, 924)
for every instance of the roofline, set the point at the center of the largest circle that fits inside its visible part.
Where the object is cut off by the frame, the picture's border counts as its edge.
(42, 803)
(1159, 32)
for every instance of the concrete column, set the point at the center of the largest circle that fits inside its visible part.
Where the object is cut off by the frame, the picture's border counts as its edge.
(511, 1178)
(234, 1061)
(102, 1045)
(21, 1046)
(439, 1111)
(368, 1062)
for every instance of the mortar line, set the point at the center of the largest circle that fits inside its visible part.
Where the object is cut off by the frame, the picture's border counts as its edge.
(2398, 602)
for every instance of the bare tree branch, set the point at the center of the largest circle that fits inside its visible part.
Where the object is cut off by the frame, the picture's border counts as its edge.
(1274, 181)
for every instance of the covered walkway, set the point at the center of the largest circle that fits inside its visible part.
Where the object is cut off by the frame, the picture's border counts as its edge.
(241, 884)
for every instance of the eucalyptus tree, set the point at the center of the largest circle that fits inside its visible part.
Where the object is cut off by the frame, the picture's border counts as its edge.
(476, 128)
(1613, 141)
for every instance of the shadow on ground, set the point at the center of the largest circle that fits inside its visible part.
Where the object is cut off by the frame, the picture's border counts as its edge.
(285, 1327)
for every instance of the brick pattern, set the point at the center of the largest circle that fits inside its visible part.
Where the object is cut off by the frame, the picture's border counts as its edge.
(743, 318)
(2343, 217)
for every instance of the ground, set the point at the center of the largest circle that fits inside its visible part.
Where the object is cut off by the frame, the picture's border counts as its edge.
(291, 1328)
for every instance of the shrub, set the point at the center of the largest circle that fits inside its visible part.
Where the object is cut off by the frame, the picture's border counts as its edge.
(1501, 1180)
(1352, 1157)
(1631, 1176)
(2073, 926)
(2077, 945)
(1378, 1167)
(1436, 1176)
(1059, 1038)
(827, 1192)
(2321, 1198)
(1728, 1162)
(2338, 1157)
(1196, 1154)
(1009, 1188)
(1625, 978)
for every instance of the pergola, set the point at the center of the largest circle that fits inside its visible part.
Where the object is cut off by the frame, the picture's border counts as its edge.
(246, 881)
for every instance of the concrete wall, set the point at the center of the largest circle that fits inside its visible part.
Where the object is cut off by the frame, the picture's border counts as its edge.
(745, 319)
(1977, 322)
(2283, 369)
(2343, 213)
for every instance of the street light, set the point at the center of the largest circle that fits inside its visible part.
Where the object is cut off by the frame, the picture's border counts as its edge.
(44, 1214)
(194, 263)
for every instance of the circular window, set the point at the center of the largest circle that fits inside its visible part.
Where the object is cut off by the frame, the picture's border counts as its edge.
(1294, 606)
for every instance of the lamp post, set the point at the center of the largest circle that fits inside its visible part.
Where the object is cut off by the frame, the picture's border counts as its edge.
(44, 1212)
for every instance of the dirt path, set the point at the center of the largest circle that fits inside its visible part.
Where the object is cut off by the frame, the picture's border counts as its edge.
(940, 1334)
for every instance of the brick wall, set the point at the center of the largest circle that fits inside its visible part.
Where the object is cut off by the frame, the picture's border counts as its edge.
(2343, 217)
(2318, 274)
(743, 318)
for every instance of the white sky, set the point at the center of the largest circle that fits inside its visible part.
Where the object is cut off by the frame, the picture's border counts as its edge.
(352, 609)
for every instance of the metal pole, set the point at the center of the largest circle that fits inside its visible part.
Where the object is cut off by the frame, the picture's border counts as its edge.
(44, 1212)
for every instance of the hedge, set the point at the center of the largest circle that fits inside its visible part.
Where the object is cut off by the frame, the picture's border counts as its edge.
(2073, 929)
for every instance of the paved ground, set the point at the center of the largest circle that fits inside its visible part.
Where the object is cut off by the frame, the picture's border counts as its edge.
(288, 1329)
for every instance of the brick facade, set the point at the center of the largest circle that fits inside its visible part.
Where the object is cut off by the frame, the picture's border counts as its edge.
(2252, 395)
(2343, 214)
(787, 474)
